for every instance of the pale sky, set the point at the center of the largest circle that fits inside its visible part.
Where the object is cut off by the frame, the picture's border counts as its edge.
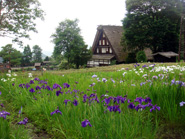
(90, 14)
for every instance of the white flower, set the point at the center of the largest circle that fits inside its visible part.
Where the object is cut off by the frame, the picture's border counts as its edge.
(30, 75)
(9, 75)
(14, 74)
(3, 79)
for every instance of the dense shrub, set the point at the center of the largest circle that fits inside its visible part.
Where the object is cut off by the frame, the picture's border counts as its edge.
(131, 58)
(141, 57)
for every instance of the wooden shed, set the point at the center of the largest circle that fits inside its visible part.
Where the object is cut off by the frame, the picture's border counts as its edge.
(38, 66)
(165, 56)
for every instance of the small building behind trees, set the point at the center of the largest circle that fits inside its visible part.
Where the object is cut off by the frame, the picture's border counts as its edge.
(165, 56)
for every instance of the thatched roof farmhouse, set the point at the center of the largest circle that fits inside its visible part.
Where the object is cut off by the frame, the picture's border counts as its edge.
(106, 46)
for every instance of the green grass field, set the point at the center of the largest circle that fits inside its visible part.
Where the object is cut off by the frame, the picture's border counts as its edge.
(123, 101)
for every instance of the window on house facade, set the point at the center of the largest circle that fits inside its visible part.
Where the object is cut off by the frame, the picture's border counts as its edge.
(107, 43)
(97, 50)
(110, 50)
(103, 35)
(103, 42)
(99, 42)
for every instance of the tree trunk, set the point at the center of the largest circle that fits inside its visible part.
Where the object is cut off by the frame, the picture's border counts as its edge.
(180, 40)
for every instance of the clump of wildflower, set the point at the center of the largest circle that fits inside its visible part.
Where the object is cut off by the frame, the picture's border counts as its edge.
(24, 122)
(104, 80)
(30, 75)
(182, 103)
(85, 123)
(4, 114)
(66, 85)
(66, 101)
(56, 111)
(91, 85)
(114, 108)
(94, 76)
(75, 102)
(59, 92)
(155, 107)
(32, 90)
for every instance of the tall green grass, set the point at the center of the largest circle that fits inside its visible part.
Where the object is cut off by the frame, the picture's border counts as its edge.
(129, 123)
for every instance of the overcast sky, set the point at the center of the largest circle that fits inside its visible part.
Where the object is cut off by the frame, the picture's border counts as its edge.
(90, 13)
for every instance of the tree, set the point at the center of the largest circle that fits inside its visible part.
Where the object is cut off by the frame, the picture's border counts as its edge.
(69, 43)
(27, 56)
(17, 17)
(153, 24)
(37, 54)
(11, 55)
(46, 58)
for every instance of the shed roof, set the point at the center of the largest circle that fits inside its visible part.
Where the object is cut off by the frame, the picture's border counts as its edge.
(37, 64)
(166, 54)
(113, 34)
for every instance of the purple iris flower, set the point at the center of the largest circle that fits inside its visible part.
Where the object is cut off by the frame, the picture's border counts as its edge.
(32, 90)
(13, 84)
(92, 95)
(55, 86)
(43, 82)
(144, 66)
(65, 101)
(38, 87)
(24, 122)
(142, 83)
(20, 111)
(66, 85)
(48, 88)
(75, 102)
(59, 92)
(56, 111)
(4, 114)
(31, 82)
(27, 85)
(94, 76)
(36, 79)
(21, 85)
(0, 93)
(114, 108)
(2, 105)
(85, 123)
(104, 80)
(85, 97)
(138, 107)
(131, 105)
(139, 99)
(120, 98)
(148, 100)
(182, 103)
(154, 108)
(107, 100)
(91, 85)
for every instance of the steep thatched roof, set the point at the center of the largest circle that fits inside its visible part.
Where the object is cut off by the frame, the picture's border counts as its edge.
(105, 57)
(113, 34)
(166, 54)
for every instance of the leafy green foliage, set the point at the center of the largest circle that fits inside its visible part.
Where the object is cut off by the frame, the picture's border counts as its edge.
(152, 24)
(37, 54)
(46, 58)
(141, 57)
(70, 44)
(17, 17)
(131, 58)
(27, 56)
(11, 55)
